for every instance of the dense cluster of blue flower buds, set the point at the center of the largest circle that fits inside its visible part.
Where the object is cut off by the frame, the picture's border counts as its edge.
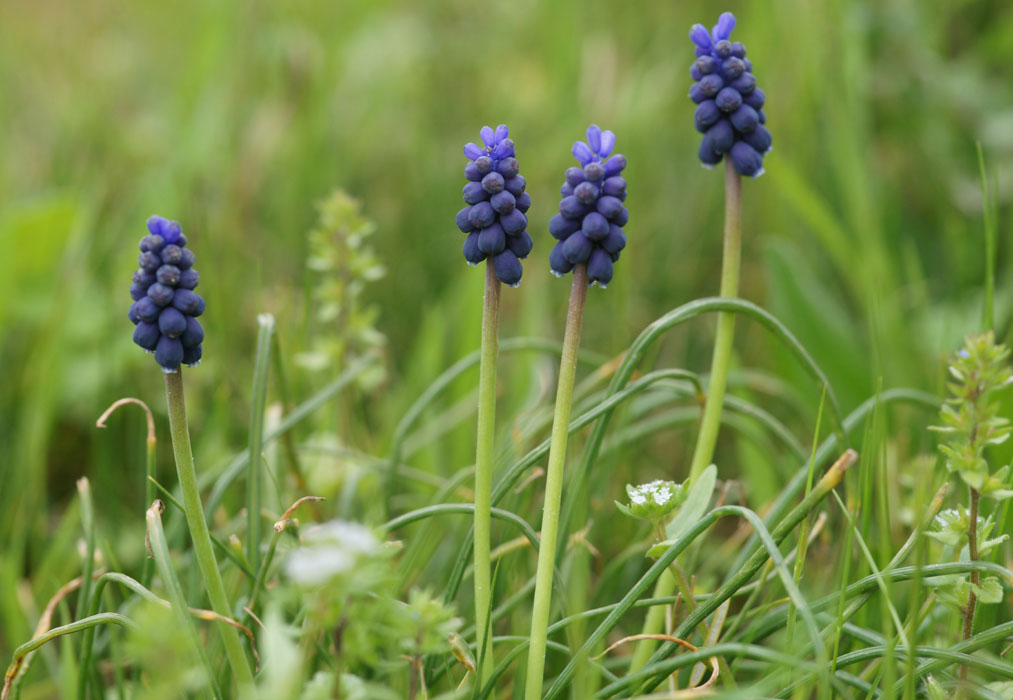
(589, 225)
(729, 110)
(165, 306)
(494, 217)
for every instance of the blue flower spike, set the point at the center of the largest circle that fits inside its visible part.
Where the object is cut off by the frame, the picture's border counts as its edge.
(495, 217)
(589, 225)
(729, 110)
(165, 306)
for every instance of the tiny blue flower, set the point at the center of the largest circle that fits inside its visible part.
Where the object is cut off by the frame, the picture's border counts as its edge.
(165, 307)
(591, 215)
(495, 218)
(729, 110)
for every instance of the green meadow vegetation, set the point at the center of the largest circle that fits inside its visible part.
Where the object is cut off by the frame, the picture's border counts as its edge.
(312, 154)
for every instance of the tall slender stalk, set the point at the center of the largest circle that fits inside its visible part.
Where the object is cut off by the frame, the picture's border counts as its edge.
(483, 472)
(180, 434)
(254, 480)
(703, 452)
(731, 262)
(554, 485)
(972, 554)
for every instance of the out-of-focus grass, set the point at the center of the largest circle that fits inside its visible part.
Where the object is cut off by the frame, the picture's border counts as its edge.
(865, 237)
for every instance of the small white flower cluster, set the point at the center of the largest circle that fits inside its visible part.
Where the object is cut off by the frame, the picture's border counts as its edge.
(329, 550)
(655, 499)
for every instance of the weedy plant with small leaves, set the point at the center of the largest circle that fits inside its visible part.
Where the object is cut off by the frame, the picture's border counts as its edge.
(331, 560)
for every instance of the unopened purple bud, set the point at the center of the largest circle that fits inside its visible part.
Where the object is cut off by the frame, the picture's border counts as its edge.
(594, 138)
(160, 294)
(707, 113)
(746, 159)
(723, 29)
(189, 279)
(172, 254)
(609, 207)
(171, 322)
(146, 335)
(146, 309)
(471, 172)
(503, 202)
(560, 226)
(514, 222)
(472, 151)
(190, 303)
(571, 207)
(615, 240)
(481, 215)
(745, 84)
(721, 136)
(493, 183)
(723, 49)
(508, 167)
(707, 65)
(614, 186)
(599, 267)
(484, 164)
(557, 260)
(615, 165)
(474, 193)
(706, 153)
(149, 261)
(700, 36)
(594, 172)
(523, 203)
(492, 240)
(168, 275)
(728, 100)
(515, 185)
(462, 220)
(586, 193)
(577, 248)
(738, 49)
(192, 355)
(595, 226)
(472, 253)
(759, 138)
(169, 353)
(187, 260)
(508, 268)
(193, 334)
(733, 67)
(152, 242)
(137, 291)
(521, 244)
(745, 119)
(574, 176)
(755, 99)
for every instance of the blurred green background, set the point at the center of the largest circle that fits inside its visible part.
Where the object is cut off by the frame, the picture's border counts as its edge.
(865, 237)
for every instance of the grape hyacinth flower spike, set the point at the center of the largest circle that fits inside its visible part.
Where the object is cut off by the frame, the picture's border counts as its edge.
(495, 222)
(165, 312)
(589, 225)
(494, 217)
(589, 230)
(729, 110)
(165, 307)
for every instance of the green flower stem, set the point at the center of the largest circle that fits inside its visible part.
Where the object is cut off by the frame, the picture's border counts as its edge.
(180, 434)
(731, 260)
(483, 472)
(554, 485)
(708, 435)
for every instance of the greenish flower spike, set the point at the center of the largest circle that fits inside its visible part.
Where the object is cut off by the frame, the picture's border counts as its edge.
(970, 417)
(653, 501)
